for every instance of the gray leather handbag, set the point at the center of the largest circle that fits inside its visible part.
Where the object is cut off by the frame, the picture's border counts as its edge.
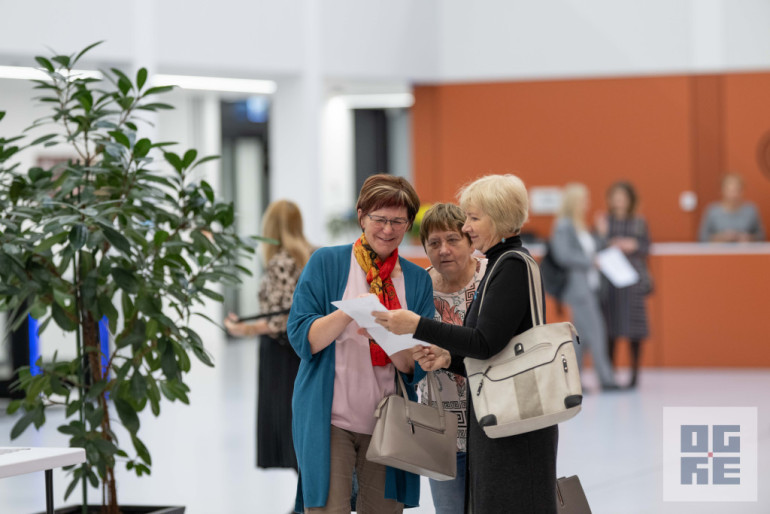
(534, 381)
(415, 437)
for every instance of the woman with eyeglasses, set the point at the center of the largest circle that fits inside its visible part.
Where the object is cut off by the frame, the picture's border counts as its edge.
(343, 375)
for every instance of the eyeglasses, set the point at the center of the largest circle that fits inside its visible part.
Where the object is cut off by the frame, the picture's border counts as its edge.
(396, 223)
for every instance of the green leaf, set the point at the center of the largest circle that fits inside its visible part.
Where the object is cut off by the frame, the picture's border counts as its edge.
(13, 407)
(47, 244)
(174, 160)
(125, 280)
(142, 147)
(141, 450)
(45, 63)
(141, 78)
(155, 106)
(138, 386)
(105, 447)
(78, 236)
(22, 424)
(127, 415)
(116, 239)
(121, 138)
(207, 190)
(160, 237)
(73, 407)
(213, 295)
(168, 363)
(43, 139)
(2, 115)
(205, 159)
(157, 90)
(86, 49)
(74, 483)
(189, 158)
(95, 417)
(64, 60)
(108, 309)
(62, 318)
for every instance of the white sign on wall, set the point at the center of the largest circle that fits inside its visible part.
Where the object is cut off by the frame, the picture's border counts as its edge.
(545, 200)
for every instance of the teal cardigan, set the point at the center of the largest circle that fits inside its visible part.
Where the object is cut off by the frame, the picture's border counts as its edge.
(323, 281)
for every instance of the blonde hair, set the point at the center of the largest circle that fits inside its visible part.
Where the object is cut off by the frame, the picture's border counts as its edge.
(501, 197)
(573, 194)
(283, 222)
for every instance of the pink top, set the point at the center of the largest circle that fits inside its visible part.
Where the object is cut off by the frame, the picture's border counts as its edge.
(359, 386)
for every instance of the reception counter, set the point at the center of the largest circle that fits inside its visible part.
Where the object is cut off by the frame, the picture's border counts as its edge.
(710, 306)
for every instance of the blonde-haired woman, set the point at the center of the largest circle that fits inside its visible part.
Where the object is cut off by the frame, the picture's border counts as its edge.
(509, 474)
(574, 248)
(278, 363)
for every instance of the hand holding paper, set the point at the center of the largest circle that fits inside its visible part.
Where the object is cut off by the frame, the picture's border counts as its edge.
(615, 266)
(360, 309)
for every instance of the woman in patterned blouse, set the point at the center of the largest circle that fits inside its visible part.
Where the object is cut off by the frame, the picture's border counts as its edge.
(278, 363)
(456, 274)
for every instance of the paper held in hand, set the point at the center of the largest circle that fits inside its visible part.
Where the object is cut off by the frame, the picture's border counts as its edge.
(615, 266)
(360, 309)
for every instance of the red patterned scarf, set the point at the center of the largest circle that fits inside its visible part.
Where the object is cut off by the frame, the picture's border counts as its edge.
(378, 277)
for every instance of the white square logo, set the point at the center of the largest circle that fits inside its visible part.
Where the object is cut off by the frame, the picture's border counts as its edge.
(710, 454)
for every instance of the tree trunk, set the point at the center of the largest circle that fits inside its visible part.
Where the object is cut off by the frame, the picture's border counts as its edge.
(93, 351)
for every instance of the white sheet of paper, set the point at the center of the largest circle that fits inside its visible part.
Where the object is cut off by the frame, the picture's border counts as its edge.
(360, 309)
(615, 266)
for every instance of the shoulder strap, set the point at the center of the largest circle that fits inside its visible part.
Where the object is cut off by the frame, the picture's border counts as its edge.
(536, 300)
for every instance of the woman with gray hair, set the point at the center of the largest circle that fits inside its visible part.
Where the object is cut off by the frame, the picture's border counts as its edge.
(508, 474)
(574, 248)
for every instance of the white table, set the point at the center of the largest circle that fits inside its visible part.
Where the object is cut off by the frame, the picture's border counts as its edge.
(18, 461)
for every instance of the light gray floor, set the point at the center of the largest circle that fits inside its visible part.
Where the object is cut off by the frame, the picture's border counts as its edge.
(204, 454)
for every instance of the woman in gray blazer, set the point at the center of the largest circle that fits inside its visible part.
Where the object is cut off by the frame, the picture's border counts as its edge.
(574, 248)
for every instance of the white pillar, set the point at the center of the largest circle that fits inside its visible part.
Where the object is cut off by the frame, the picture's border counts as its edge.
(707, 35)
(295, 129)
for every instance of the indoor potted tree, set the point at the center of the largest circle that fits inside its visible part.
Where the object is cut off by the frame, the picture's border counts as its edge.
(109, 236)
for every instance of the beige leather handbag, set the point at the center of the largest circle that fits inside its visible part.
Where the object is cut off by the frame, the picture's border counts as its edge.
(534, 382)
(415, 437)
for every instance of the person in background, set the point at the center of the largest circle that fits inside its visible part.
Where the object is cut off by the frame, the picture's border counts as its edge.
(732, 220)
(574, 248)
(625, 310)
(456, 274)
(507, 474)
(343, 375)
(278, 363)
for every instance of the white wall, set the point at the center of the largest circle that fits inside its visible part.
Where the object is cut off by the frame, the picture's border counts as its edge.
(519, 39)
(425, 40)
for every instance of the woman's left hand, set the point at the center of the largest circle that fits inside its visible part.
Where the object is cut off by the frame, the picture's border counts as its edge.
(399, 321)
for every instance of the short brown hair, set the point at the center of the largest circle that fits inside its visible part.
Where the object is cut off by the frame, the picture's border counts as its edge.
(384, 190)
(442, 217)
(501, 197)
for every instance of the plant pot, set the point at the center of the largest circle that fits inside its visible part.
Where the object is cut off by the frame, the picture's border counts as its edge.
(124, 509)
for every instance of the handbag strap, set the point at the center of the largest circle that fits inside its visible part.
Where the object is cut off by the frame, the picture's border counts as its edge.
(534, 280)
(432, 391)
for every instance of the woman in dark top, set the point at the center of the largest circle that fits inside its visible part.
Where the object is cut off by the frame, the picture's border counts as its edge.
(625, 310)
(509, 474)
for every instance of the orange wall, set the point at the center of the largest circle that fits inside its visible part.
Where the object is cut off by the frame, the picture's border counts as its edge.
(697, 316)
(665, 134)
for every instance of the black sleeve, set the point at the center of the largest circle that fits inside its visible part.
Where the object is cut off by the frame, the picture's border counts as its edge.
(506, 303)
